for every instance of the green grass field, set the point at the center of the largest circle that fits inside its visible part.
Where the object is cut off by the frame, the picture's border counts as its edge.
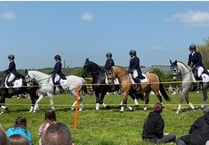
(103, 127)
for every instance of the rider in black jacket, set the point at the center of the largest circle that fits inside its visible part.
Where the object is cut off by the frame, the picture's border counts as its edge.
(13, 74)
(57, 73)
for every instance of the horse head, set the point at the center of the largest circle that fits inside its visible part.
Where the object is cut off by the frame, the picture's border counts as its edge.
(90, 68)
(174, 69)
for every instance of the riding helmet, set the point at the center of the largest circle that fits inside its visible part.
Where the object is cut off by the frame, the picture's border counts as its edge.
(11, 57)
(132, 52)
(57, 57)
(108, 54)
(192, 47)
(158, 107)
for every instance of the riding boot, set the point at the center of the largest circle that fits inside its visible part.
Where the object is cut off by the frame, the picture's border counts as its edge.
(54, 90)
(136, 86)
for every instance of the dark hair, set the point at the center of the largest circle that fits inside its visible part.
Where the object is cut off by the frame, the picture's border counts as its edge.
(57, 134)
(3, 137)
(158, 107)
(18, 139)
(50, 114)
(21, 122)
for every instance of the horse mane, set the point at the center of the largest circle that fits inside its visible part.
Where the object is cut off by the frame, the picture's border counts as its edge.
(184, 64)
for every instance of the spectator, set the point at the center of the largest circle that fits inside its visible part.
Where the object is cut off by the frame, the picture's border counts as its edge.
(50, 118)
(57, 134)
(153, 127)
(3, 137)
(20, 127)
(18, 139)
(199, 131)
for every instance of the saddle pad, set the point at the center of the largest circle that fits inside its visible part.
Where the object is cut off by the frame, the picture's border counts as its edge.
(205, 77)
(145, 79)
(17, 84)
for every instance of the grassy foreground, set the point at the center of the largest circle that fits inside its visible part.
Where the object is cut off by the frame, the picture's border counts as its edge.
(103, 127)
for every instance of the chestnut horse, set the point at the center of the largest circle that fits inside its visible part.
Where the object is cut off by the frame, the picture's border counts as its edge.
(152, 83)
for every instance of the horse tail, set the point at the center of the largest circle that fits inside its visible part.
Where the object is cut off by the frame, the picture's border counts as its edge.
(163, 92)
(84, 87)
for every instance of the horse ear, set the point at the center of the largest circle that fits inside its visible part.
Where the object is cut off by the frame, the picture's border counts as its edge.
(87, 60)
(170, 62)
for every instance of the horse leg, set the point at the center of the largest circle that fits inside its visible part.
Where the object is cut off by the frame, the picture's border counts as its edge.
(205, 97)
(2, 104)
(146, 101)
(97, 100)
(36, 107)
(103, 93)
(33, 98)
(124, 104)
(51, 100)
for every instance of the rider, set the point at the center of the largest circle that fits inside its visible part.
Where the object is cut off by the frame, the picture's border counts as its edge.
(134, 68)
(57, 73)
(195, 61)
(109, 61)
(108, 66)
(13, 74)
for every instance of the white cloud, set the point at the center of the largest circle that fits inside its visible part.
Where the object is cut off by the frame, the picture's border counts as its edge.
(87, 17)
(191, 18)
(158, 48)
(8, 15)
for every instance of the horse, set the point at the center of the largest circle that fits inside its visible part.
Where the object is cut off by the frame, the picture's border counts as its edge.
(151, 83)
(187, 76)
(98, 80)
(20, 87)
(72, 83)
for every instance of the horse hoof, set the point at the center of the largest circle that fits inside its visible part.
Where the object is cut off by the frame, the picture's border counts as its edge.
(177, 112)
(145, 108)
(107, 107)
(72, 108)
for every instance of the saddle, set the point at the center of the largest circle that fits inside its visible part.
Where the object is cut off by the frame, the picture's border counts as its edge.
(16, 83)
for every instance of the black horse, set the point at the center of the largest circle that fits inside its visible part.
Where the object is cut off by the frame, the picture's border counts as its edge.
(27, 87)
(98, 80)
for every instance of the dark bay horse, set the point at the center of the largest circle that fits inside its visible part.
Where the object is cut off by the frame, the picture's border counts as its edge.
(153, 83)
(187, 77)
(9, 92)
(98, 80)
(99, 85)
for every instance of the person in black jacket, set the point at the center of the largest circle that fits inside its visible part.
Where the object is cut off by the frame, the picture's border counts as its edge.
(109, 61)
(57, 73)
(153, 127)
(135, 69)
(195, 61)
(13, 74)
(199, 131)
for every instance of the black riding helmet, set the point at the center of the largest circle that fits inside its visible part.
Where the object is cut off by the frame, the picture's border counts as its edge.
(11, 57)
(192, 47)
(108, 54)
(57, 57)
(132, 52)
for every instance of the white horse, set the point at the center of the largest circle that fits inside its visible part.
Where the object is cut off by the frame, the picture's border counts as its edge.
(72, 83)
(188, 79)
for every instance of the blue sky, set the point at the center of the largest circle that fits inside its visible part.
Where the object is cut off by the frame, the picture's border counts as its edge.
(36, 31)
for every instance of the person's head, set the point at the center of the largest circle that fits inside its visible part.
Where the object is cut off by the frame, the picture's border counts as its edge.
(192, 47)
(108, 55)
(158, 107)
(11, 57)
(132, 53)
(18, 139)
(57, 134)
(21, 122)
(3, 137)
(206, 110)
(57, 57)
(50, 114)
